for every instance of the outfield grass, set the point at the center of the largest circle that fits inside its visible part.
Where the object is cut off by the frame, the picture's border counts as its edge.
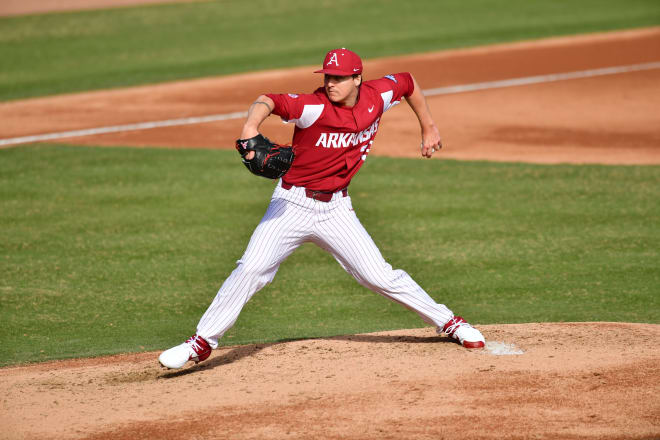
(75, 51)
(118, 249)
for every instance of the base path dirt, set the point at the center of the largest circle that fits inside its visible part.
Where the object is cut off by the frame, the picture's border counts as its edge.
(560, 381)
(612, 119)
(24, 7)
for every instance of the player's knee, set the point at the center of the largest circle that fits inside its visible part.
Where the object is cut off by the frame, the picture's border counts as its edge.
(256, 270)
(382, 279)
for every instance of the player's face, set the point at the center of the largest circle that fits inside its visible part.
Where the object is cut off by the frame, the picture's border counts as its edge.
(342, 89)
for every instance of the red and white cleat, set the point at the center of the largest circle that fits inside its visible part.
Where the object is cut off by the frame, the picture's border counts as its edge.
(194, 349)
(469, 337)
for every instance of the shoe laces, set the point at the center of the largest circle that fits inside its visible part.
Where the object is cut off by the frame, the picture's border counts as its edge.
(455, 324)
(194, 343)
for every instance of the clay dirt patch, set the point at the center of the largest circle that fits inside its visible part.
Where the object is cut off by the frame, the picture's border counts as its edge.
(609, 119)
(22, 7)
(573, 380)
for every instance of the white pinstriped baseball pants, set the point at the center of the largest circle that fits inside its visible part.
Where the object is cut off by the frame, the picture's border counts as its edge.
(293, 219)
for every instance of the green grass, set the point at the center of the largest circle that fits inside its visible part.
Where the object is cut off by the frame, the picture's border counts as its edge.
(117, 249)
(75, 51)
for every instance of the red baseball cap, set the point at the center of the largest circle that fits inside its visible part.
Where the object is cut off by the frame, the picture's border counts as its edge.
(341, 62)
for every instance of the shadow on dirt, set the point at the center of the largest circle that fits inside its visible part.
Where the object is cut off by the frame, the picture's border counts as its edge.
(244, 351)
(227, 358)
(386, 339)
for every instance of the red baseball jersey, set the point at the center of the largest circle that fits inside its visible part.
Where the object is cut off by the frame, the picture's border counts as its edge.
(331, 141)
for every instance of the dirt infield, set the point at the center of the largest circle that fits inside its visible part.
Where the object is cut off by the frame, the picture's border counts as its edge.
(24, 7)
(611, 119)
(562, 381)
(588, 380)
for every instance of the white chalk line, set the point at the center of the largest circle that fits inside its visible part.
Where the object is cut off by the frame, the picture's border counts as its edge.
(238, 115)
(121, 128)
(541, 79)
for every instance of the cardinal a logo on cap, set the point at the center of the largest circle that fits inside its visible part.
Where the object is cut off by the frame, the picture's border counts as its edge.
(333, 59)
(350, 64)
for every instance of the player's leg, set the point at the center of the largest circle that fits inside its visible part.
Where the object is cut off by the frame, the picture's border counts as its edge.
(344, 236)
(352, 246)
(280, 232)
(282, 229)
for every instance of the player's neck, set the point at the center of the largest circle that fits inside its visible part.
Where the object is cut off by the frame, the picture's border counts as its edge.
(350, 100)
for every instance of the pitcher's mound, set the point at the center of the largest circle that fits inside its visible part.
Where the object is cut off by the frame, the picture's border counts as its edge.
(569, 380)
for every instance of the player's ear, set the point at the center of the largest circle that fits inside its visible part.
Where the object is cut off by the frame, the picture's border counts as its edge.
(357, 80)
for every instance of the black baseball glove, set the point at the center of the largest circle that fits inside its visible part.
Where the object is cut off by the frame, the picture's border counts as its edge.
(270, 160)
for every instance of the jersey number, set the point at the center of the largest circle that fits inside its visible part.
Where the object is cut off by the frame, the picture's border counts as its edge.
(365, 150)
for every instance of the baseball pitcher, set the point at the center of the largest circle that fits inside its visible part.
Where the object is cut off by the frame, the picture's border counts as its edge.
(335, 127)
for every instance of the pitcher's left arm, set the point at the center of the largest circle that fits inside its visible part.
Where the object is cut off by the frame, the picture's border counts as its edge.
(431, 141)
